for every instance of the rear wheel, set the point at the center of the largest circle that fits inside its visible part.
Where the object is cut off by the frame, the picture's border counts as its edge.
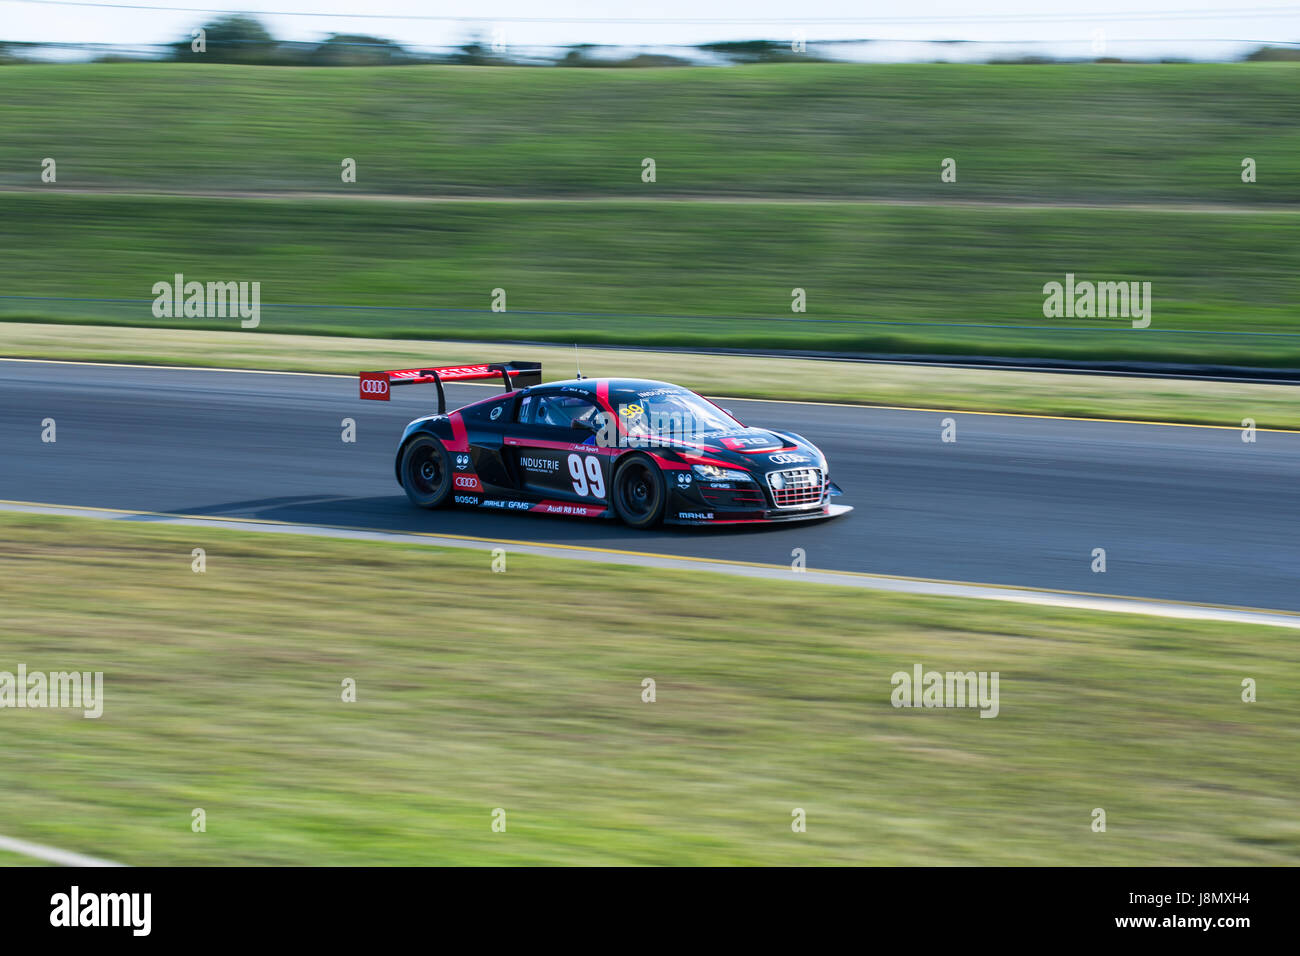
(426, 472)
(639, 494)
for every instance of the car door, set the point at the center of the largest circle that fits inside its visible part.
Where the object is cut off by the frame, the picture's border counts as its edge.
(485, 467)
(554, 448)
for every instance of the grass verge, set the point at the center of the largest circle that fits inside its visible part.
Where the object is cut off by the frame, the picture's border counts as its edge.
(523, 691)
(1034, 393)
(20, 859)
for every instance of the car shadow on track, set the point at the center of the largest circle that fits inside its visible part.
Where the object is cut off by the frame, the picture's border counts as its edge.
(396, 513)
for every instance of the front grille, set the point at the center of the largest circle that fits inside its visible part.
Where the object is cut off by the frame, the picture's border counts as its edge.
(799, 487)
(743, 494)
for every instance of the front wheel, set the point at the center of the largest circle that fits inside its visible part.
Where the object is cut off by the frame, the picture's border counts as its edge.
(639, 494)
(426, 472)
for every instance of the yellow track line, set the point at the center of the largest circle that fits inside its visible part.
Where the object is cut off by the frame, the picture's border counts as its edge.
(592, 549)
(734, 398)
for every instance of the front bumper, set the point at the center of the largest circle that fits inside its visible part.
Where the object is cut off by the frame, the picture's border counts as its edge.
(796, 494)
(770, 516)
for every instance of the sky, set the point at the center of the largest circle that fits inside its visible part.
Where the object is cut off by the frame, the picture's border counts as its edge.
(1197, 29)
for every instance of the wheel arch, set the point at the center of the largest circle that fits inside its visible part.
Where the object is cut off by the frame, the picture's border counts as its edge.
(620, 464)
(414, 431)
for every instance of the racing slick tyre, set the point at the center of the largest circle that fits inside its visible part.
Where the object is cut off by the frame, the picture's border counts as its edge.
(639, 493)
(426, 472)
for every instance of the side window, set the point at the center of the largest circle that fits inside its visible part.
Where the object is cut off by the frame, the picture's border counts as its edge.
(490, 412)
(547, 410)
(563, 411)
(525, 407)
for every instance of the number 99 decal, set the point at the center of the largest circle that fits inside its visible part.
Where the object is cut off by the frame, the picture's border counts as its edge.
(588, 481)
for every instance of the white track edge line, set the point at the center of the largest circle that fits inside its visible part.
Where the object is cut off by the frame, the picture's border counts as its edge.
(51, 854)
(1060, 599)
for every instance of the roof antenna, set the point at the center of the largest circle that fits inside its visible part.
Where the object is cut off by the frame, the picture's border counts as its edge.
(576, 362)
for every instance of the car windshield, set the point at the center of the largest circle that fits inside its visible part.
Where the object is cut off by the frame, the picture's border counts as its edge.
(669, 412)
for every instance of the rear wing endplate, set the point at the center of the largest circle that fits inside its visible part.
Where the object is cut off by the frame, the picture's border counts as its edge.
(375, 386)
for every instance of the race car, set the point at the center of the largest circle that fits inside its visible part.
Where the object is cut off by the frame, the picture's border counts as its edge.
(645, 452)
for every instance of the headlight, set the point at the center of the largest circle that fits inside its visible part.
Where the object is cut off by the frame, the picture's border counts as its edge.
(714, 473)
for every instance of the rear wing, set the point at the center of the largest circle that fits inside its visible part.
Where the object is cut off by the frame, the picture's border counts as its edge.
(375, 386)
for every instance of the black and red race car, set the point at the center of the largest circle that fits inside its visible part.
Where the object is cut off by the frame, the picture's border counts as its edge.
(643, 451)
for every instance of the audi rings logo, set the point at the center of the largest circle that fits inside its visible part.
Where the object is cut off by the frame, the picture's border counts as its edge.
(787, 459)
(374, 387)
(466, 481)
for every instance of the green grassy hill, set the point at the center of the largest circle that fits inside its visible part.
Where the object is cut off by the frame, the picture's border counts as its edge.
(1060, 133)
(672, 274)
(948, 268)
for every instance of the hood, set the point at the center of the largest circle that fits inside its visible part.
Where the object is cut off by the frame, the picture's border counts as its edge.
(757, 449)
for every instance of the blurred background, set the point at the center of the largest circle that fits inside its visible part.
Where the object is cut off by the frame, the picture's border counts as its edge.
(787, 154)
(509, 147)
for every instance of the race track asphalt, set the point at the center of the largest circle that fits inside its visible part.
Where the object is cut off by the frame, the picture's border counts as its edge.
(1183, 513)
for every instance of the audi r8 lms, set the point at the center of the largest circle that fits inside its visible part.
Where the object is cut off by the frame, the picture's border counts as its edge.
(643, 451)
